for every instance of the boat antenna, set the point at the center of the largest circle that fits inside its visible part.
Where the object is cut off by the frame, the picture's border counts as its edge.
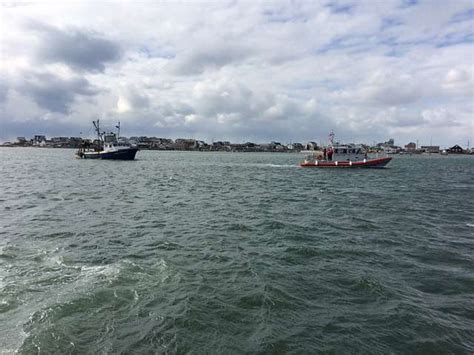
(118, 129)
(331, 137)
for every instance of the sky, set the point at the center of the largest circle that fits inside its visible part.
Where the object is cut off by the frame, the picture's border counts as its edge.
(240, 70)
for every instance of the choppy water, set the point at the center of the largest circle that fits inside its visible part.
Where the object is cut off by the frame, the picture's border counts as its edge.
(234, 253)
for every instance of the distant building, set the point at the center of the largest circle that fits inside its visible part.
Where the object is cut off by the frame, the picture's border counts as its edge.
(276, 146)
(245, 147)
(59, 139)
(295, 146)
(410, 147)
(64, 142)
(393, 150)
(298, 146)
(164, 143)
(200, 145)
(455, 150)
(21, 140)
(221, 146)
(266, 147)
(311, 146)
(430, 148)
(184, 143)
(74, 142)
(152, 143)
(39, 140)
(388, 144)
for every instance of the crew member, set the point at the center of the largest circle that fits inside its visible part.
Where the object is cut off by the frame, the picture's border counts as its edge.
(330, 154)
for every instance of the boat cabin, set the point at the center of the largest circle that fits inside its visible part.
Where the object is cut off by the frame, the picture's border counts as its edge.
(111, 142)
(349, 152)
(346, 152)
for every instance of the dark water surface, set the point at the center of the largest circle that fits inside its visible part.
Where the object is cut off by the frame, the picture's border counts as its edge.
(234, 253)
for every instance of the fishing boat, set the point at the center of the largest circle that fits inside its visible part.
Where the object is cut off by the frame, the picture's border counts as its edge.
(343, 156)
(107, 146)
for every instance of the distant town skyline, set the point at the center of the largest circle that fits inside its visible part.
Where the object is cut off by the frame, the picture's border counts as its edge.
(74, 141)
(240, 71)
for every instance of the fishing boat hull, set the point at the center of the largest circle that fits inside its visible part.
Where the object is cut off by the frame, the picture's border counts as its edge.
(366, 163)
(122, 154)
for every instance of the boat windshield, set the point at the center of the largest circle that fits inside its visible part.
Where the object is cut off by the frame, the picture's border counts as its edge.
(110, 138)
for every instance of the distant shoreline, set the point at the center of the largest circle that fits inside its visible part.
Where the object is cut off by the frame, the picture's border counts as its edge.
(169, 149)
(243, 151)
(190, 144)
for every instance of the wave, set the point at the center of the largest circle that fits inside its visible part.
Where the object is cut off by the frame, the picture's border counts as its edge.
(93, 294)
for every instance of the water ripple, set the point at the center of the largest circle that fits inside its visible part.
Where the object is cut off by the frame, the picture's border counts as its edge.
(243, 253)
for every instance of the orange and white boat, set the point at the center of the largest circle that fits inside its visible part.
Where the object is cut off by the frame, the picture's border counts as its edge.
(364, 163)
(343, 156)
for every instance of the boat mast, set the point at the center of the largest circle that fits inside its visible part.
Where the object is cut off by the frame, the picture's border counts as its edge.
(118, 130)
(96, 126)
(331, 138)
(99, 134)
(97, 129)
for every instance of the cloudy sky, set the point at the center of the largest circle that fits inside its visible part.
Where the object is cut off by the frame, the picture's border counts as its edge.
(240, 70)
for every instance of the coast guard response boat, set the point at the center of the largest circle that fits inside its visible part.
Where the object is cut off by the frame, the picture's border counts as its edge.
(343, 156)
(108, 147)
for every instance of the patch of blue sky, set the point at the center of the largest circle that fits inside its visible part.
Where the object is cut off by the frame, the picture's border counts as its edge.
(391, 46)
(158, 52)
(281, 16)
(453, 39)
(396, 52)
(409, 3)
(308, 85)
(341, 8)
(389, 41)
(347, 43)
(463, 16)
(398, 46)
(303, 84)
(329, 84)
(390, 22)
(395, 47)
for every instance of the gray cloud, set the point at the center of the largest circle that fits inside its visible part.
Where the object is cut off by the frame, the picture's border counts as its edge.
(3, 90)
(209, 56)
(79, 50)
(132, 99)
(391, 95)
(54, 93)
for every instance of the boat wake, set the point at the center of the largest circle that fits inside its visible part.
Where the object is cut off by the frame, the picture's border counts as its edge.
(281, 165)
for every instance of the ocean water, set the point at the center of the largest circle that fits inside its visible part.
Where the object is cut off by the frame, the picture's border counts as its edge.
(183, 252)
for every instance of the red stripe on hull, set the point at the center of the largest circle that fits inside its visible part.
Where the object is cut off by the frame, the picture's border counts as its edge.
(370, 163)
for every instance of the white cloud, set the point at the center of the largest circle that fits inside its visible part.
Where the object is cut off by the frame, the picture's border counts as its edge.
(131, 99)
